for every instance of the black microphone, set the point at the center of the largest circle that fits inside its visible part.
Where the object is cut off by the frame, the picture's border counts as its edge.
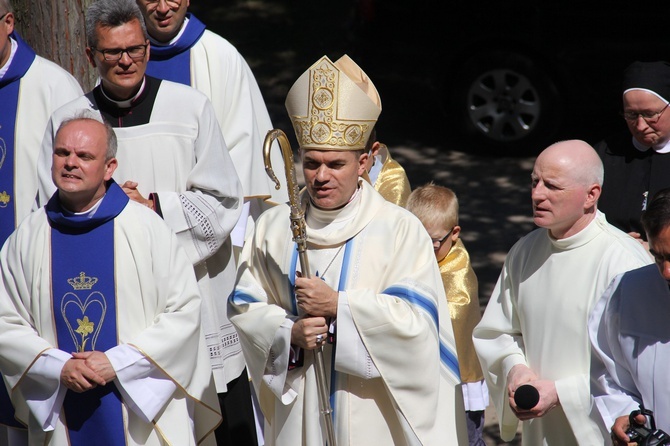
(526, 397)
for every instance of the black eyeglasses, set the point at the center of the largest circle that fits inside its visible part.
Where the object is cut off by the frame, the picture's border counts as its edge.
(115, 54)
(649, 117)
(441, 241)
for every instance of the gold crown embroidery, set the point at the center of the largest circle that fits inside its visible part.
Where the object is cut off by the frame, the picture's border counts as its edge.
(83, 282)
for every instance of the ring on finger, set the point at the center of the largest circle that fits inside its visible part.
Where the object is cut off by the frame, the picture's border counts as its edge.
(319, 338)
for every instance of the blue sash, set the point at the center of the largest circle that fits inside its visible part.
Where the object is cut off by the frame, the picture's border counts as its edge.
(173, 62)
(9, 100)
(84, 309)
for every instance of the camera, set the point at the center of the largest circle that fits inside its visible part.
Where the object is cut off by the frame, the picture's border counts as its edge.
(646, 434)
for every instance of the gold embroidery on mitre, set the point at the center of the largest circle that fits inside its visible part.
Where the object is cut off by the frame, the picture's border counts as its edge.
(327, 124)
(83, 282)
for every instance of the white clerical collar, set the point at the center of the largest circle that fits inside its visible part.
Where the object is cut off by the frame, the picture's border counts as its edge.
(175, 39)
(12, 52)
(128, 102)
(88, 213)
(320, 218)
(665, 148)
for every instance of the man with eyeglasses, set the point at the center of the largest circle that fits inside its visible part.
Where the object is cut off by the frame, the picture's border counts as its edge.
(31, 88)
(636, 160)
(172, 158)
(534, 328)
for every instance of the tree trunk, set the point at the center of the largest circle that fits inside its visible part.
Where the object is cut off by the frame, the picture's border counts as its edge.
(55, 30)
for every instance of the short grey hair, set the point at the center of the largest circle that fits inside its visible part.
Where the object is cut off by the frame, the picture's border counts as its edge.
(89, 115)
(5, 7)
(111, 13)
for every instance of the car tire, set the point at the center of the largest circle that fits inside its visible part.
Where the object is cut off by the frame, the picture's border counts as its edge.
(505, 104)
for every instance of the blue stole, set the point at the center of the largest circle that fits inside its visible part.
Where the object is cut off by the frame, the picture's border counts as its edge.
(173, 62)
(84, 309)
(9, 101)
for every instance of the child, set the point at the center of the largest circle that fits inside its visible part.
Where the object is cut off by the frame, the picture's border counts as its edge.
(437, 208)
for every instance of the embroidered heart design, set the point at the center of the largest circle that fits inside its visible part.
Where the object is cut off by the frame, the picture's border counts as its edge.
(3, 152)
(84, 320)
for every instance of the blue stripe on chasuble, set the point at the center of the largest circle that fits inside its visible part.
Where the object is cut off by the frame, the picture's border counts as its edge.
(447, 357)
(84, 308)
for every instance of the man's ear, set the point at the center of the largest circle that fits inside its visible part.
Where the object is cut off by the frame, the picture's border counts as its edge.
(9, 22)
(110, 166)
(362, 163)
(375, 148)
(90, 57)
(592, 195)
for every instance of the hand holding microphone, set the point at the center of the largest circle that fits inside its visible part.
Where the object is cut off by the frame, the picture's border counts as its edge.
(526, 397)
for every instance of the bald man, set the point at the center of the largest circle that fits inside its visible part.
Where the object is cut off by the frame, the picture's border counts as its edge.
(534, 328)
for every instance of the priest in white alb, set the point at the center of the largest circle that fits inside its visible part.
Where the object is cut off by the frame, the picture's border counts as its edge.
(374, 302)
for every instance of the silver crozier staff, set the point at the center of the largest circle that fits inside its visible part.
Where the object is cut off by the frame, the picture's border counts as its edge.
(300, 238)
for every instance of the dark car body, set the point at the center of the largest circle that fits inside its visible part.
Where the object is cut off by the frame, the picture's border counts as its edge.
(516, 75)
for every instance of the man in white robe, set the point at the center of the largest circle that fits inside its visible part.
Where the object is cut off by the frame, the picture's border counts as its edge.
(94, 269)
(534, 328)
(629, 333)
(31, 88)
(184, 51)
(375, 292)
(172, 158)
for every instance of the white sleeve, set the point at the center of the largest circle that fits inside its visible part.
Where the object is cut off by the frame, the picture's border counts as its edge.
(42, 387)
(351, 355)
(612, 386)
(276, 370)
(144, 388)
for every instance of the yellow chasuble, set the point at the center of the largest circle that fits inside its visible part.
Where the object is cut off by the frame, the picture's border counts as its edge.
(392, 182)
(460, 286)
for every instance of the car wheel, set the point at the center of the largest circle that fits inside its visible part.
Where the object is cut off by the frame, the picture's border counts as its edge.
(506, 104)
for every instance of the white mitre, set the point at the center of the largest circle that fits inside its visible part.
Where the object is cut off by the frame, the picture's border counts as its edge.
(333, 106)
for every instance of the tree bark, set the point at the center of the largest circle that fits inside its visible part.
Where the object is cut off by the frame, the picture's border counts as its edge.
(55, 30)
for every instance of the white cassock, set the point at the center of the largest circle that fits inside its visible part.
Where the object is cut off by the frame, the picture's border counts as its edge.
(181, 156)
(219, 71)
(158, 314)
(394, 375)
(538, 315)
(630, 334)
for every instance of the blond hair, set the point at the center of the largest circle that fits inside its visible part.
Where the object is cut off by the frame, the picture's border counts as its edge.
(434, 205)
